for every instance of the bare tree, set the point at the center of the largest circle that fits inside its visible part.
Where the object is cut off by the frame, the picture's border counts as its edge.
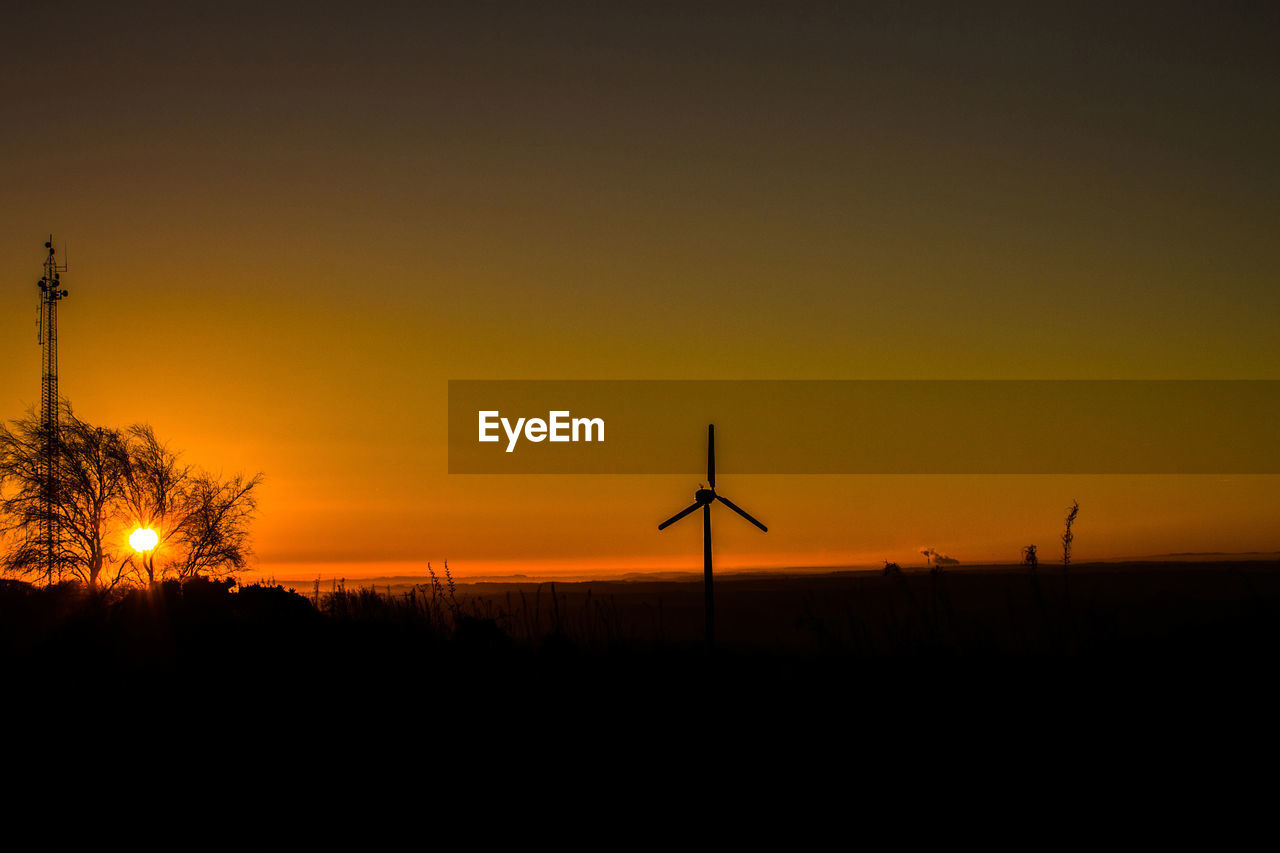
(155, 489)
(1068, 537)
(1030, 558)
(23, 513)
(213, 533)
(90, 484)
(109, 482)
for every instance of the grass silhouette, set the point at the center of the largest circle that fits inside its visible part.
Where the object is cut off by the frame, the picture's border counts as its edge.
(1171, 611)
(914, 647)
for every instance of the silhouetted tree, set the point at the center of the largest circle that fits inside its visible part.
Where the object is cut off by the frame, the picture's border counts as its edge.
(109, 482)
(202, 522)
(90, 485)
(1068, 537)
(1030, 558)
(213, 533)
(155, 487)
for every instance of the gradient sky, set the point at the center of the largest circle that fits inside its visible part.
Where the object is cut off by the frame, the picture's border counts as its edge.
(290, 224)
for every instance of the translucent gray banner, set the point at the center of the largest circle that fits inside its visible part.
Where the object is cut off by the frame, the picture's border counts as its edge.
(865, 427)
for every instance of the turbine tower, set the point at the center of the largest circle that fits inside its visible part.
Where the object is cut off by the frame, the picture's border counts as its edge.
(51, 293)
(704, 498)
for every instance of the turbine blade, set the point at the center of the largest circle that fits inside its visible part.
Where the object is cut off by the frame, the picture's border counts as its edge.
(711, 456)
(679, 515)
(740, 511)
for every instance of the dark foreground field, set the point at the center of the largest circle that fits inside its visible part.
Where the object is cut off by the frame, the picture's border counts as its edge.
(1154, 669)
(1169, 610)
(779, 634)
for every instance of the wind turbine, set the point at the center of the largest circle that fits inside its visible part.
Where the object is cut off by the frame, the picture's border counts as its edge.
(704, 498)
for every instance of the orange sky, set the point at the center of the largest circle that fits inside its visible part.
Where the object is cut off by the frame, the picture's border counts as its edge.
(289, 228)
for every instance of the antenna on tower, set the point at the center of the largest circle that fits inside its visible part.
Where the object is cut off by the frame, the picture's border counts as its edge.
(51, 293)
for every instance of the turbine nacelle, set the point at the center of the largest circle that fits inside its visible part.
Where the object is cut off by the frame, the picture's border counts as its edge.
(704, 497)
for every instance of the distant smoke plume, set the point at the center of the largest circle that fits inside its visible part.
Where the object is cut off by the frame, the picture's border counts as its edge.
(935, 558)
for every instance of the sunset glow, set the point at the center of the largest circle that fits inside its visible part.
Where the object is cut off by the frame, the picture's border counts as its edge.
(729, 384)
(301, 224)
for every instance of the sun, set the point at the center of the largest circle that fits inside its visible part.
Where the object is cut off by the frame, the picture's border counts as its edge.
(143, 539)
